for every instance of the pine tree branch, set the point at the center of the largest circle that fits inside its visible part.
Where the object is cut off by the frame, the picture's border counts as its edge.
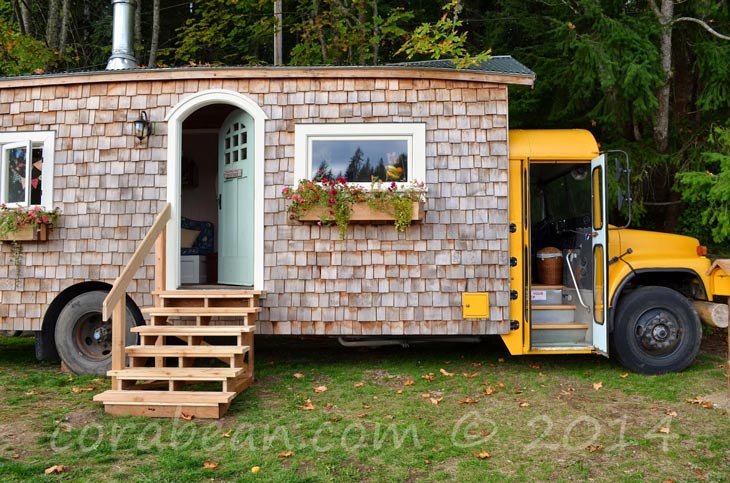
(703, 24)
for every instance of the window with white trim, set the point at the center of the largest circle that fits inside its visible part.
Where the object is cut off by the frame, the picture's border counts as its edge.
(391, 152)
(26, 168)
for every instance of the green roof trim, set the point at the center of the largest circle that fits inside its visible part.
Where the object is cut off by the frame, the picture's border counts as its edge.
(499, 64)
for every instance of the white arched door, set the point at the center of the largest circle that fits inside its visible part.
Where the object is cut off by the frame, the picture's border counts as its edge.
(236, 200)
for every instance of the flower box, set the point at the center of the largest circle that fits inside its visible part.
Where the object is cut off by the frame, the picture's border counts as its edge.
(363, 213)
(27, 233)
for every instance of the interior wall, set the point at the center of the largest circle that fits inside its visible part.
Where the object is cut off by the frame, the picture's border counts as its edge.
(199, 194)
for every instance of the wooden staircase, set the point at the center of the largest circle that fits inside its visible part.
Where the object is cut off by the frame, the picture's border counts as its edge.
(193, 358)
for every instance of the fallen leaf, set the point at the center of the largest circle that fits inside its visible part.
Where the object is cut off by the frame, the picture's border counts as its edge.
(624, 375)
(534, 366)
(541, 374)
(227, 434)
(329, 405)
(707, 405)
(594, 448)
(427, 462)
(210, 465)
(664, 430)
(359, 384)
(362, 415)
(518, 391)
(476, 364)
(500, 385)
(255, 469)
(307, 406)
(426, 395)
(483, 455)
(524, 404)
(32, 393)
(436, 401)
(489, 391)
(467, 400)
(187, 417)
(366, 406)
(408, 382)
(82, 389)
(285, 454)
(399, 391)
(55, 470)
(428, 377)
(501, 359)
(671, 413)
(15, 456)
(471, 376)
(298, 375)
(484, 433)
(446, 373)
(320, 389)
(597, 385)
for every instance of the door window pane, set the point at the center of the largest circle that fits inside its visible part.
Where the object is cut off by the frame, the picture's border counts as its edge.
(16, 167)
(598, 288)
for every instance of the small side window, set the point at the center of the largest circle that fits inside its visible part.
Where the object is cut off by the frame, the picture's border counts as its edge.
(26, 168)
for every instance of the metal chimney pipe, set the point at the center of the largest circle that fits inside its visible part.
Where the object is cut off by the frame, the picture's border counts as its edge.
(123, 36)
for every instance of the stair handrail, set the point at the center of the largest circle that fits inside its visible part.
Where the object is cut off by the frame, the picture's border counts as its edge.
(115, 302)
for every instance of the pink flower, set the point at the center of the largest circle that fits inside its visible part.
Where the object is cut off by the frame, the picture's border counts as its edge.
(285, 190)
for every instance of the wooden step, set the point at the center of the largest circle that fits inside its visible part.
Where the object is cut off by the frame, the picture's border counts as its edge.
(189, 398)
(194, 330)
(185, 350)
(200, 311)
(560, 326)
(166, 404)
(204, 293)
(177, 373)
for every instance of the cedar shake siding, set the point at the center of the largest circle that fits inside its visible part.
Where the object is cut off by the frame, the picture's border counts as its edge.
(109, 186)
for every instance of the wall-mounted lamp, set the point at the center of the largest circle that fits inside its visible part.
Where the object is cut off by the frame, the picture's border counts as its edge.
(142, 126)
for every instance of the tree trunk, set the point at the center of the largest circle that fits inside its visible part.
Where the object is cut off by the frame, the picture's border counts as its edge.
(18, 16)
(320, 32)
(25, 17)
(65, 12)
(376, 34)
(52, 25)
(661, 127)
(155, 41)
(138, 43)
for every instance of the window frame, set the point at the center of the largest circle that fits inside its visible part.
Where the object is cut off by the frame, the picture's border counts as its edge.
(413, 133)
(45, 140)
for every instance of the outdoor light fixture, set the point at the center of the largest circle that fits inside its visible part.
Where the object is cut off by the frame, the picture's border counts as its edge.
(142, 126)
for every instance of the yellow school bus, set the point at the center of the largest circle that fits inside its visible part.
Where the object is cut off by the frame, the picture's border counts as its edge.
(582, 285)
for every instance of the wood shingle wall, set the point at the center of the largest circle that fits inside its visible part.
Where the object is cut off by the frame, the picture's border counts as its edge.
(109, 187)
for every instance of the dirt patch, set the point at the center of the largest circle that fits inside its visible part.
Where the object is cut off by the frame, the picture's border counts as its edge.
(719, 400)
(15, 439)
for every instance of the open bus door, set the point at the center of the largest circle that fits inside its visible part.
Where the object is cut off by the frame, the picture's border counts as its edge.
(600, 254)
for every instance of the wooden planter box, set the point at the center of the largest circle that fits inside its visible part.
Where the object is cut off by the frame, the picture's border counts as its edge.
(362, 213)
(28, 233)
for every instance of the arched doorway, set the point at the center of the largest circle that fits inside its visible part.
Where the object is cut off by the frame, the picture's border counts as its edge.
(215, 177)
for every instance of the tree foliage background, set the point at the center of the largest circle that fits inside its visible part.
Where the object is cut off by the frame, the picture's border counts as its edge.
(651, 77)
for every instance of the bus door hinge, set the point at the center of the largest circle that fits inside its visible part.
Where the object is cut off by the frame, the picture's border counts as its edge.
(514, 324)
(513, 294)
(512, 261)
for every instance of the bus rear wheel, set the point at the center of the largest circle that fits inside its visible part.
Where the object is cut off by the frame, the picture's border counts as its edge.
(656, 331)
(83, 338)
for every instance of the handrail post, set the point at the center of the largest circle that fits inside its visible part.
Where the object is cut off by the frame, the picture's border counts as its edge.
(119, 322)
(160, 263)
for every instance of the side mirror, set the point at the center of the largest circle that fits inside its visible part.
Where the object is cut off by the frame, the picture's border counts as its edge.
(620, 198)
(619, 171)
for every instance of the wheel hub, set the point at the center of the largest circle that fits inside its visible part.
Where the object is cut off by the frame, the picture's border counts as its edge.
(93, 337)
(658, 332)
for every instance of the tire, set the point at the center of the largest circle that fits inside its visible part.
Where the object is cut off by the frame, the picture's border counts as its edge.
(656, 331)
(83, 339)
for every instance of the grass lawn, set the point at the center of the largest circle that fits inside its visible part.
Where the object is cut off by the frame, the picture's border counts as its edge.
(430, 413)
